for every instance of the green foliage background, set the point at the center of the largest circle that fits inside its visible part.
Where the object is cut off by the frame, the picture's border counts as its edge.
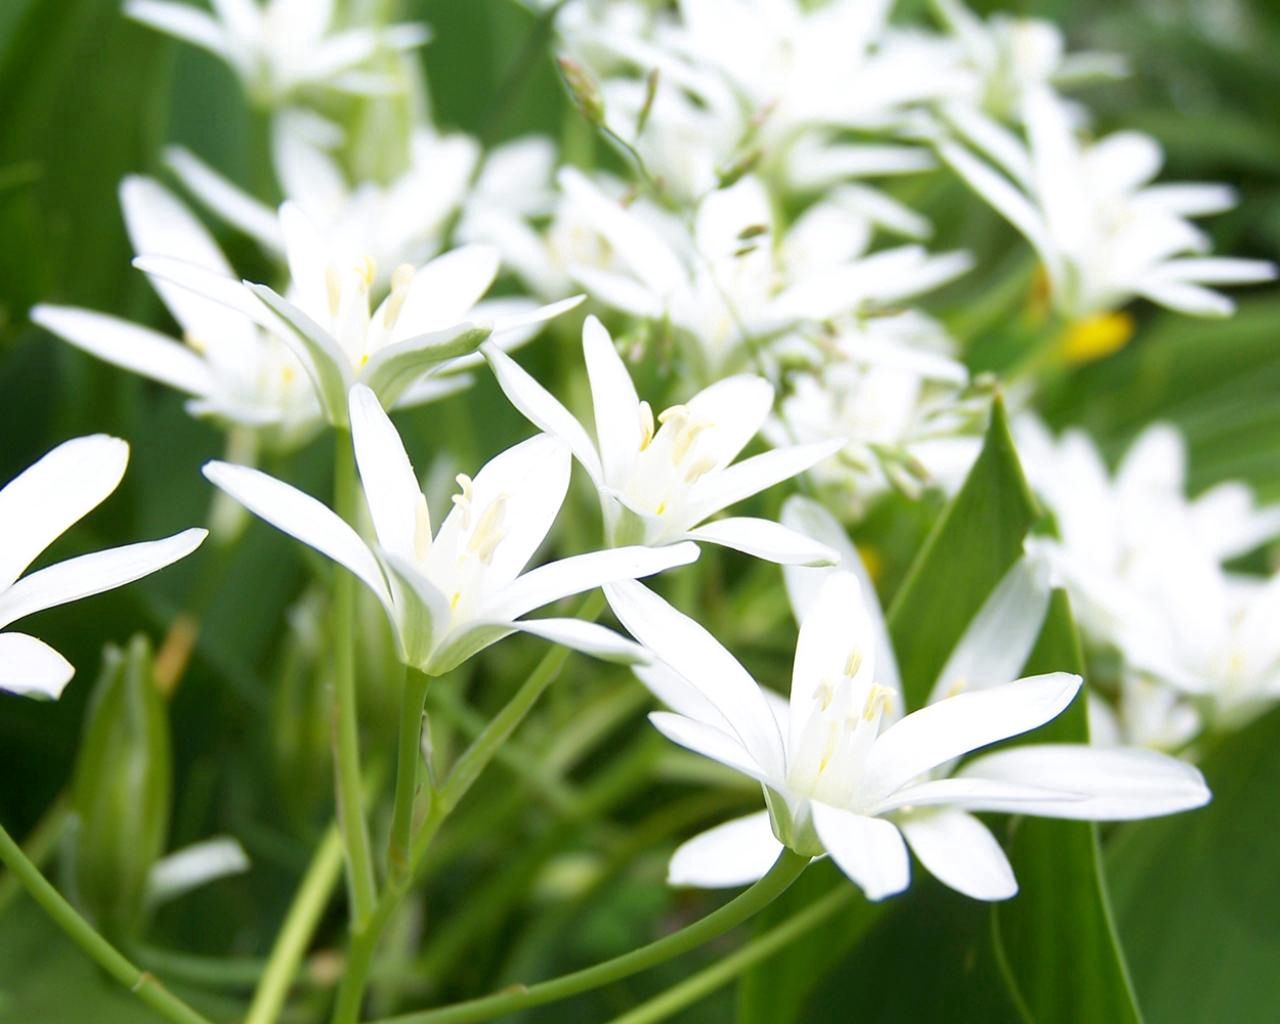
(548, 869)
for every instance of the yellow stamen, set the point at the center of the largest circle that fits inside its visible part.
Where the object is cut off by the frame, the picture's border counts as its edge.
(368, 270)
(879, 700)
(1096, 336)
(400, 282)
(194, 343)
(453, 601)
(646, 425)
(421, 530)
(853, 663)
(699, 469)
(463, 501)
(871, 561)
(333, 289)
(489, 532)
(824, 695)
(956, 688)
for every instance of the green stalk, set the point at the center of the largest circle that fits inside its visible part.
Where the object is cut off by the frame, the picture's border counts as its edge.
(142, 984)
(739, 909)
(722, 972)
(346, 759)
(40, 844)
(295, 935)
(408, 761)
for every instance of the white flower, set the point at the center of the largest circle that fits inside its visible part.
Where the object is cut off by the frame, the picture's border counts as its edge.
(843, 775)
(399, 222)
(449, 596)
(659, 477)
(432, 316)
(1103, 233)
(1144, 712)
(734, 284)
(38, 506)
(284, 46)
(235, 372)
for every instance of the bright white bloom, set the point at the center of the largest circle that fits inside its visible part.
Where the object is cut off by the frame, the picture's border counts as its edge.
(842, 776)
(1143, 713)
(449, 596)
(1102, 232)
(283, 46)
(234, 371)
(399, 222)
(38, 506)
(736, 283)
(661, 476)
(433, 315)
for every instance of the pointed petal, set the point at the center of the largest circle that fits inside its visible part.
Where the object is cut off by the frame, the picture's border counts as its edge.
(235, 206)
(91, 574)
(191, 867)
(1117, 783)
(738, 852)
(579, 573)
(614, 400)
(869, 850)
(44, 500)
(391, 491)
(709, 742)
(524, 323)
(543, 409)
(129, 346)
(960, 852)
(444, 290)
(1185, 297)
(182, 22)
(955, 726)
(736, 408)
(763, 538)
(302, 517)
(394, 369)
(31, 667)
(586, 637)
(975, 795)
(697, 655)
(677, 694)
(228, 291)
(326, 362)
(758, 473)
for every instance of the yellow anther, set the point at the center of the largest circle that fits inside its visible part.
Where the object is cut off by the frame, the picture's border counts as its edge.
(453, 601)
(956, 688)
(194, 343)
(287, 374)
(646, 425)
(674, 413)
(824, 695)
(489, 531)
(661, 509)
(1096, 336)
(879, 700)
(400, 282)
(402, 277)
(699, 469)
(421, 530)
(367, 268)
(463, 501)
(853, 663)
(333, 289)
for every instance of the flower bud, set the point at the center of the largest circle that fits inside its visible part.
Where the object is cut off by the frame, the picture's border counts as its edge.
(584, 90)
(120, 790)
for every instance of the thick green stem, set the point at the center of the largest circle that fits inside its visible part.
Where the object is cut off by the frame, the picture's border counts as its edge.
(702, 984)
(346, 727)
(142, 984)
(299, 926)
(40, 844)
(732, 914)
(408, 762)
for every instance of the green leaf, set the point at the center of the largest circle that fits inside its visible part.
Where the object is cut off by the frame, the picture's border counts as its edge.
(971, 547)
(1056, 938)
(1197, 896)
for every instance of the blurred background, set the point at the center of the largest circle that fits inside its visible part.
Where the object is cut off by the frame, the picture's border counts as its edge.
(87, 97)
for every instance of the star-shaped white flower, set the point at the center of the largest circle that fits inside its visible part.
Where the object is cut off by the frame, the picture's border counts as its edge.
(283, 46)
(449, 596)
(431, 319)
(37, 507)
(234, 371)
(843, 774)
(659, 477)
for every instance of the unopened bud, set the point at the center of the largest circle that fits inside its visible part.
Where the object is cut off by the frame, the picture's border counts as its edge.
(740, 167)
(650, 94)
(584, 90)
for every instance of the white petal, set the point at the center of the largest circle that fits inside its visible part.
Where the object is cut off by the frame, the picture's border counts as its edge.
(193, 866)
(301, 516)
(395, 368)
(579, 573)
(237, 207)
(228, 291)
(181, 21)
(738, 852)
(869, 850)
(996, 643)
(587, 637)
(926, 738)
(91, 574)
(696, 655)
(763, 538)
(523, 324)
(677, 694)
(327, 364)
(960, 852)
(758, 473)
(543, 409)
(1184, 297)
(44, 500)
(31, 667)
(614, 400)
(1116, 783)
(443, 291)
(618, 291)
(974, 795)
(708, 741)
(129, 346)
(735, 409)
(391, 490)
(1217, 270)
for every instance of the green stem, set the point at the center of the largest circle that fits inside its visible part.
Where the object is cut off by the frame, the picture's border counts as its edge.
(364, 940)
(724, 971)
(363, 889)
(408, 761)
(295, 935)
(142, 984)
(733, 913)
(42, 841)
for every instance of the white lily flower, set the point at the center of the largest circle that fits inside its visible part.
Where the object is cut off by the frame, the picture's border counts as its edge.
(283, 46)
(659, 477)
(399, 222)
(38, 506)
(1103, 233)
(235, 372)
(432, 317)
(449, 596)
